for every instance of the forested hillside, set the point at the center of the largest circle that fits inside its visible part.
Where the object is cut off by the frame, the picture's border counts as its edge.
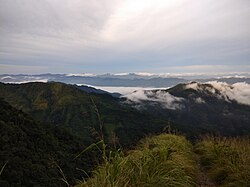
(34, 153)
(52, 135)
(67, 106)
(197, 108)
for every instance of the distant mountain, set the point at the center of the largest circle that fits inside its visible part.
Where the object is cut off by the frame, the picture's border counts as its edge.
(130, 80)
(197, 108)
(228, 80)
(118, 80)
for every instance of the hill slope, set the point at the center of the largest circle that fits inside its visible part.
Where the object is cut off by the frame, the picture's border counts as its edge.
(67, 106)
(199, 108)
(32, 151)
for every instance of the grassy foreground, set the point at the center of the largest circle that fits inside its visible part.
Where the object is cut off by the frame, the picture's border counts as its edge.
(227, 160)
(164, 160)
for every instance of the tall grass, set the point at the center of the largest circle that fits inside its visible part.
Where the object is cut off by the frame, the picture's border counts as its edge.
(227, 160)
(2, 168)
(164, 160)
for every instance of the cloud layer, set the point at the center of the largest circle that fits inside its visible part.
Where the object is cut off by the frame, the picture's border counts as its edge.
(162, 98)
(124, 35)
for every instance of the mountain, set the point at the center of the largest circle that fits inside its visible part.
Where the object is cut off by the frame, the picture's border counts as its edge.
(90, 89)
(228, 80)
(69, 107)
(130, 80)
(198, 108)
(44, 126)
(191, 108)
(123, 79)
(33, 152)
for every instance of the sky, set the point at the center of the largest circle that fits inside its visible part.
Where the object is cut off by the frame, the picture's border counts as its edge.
(114, 36)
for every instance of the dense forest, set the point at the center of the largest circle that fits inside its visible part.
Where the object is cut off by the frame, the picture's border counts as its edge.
(55, 122)
(34, 153)
(67, 106)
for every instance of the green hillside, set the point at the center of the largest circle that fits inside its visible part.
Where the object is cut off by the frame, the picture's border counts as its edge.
(34, 152)
(67, 106)
(54, 134)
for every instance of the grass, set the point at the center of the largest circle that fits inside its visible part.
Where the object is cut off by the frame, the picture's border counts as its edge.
(227, 160)
(164, 160)
(2, 168)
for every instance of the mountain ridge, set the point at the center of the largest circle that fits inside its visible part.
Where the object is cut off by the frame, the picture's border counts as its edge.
(125, 80)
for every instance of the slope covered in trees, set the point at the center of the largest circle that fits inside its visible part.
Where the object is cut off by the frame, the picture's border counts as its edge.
(67, 106)
(198, 109)
(34, 153)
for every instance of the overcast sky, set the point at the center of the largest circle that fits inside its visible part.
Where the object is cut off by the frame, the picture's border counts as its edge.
(100, 36)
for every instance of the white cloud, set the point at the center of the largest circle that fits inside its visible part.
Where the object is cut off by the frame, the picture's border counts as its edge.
(125, 91)
(239, 92)
(161, 97)
(199, 100)
(80, 75)
(22, 82)
(192, 85)
(7, 77)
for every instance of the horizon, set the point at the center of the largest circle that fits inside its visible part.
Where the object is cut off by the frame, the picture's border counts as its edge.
(142, 74)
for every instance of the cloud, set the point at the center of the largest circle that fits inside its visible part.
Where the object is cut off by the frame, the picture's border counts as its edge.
(199, 100)
(161, 97)
(13, 69)
(7, 77)
(128, 35)
(45, 30)
(125, 91)
(55, 18)
(22, 79)
(80, 75)
(22, 82)
(239, 92)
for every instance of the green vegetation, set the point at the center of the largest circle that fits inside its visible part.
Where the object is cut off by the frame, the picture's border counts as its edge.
(32, 154)
(164, 160)
(227, 160)
(71, 132)
(67, 106)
